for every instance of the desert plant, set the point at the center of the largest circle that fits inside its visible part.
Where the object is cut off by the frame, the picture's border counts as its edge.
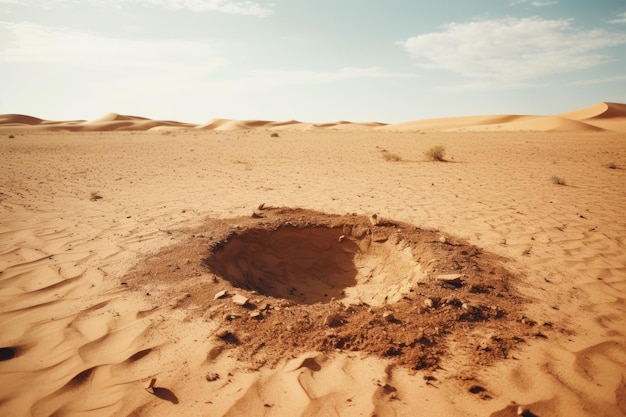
(391, 157)
(436, 153)
(557, 180)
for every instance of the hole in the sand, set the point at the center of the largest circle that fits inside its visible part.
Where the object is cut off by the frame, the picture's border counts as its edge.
(7, 353)
(318, 264)
(401, 292)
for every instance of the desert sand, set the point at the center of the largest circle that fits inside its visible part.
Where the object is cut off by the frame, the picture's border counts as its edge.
(262, 268)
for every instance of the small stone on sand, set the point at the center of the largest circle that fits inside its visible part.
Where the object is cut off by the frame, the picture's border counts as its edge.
(240, 300)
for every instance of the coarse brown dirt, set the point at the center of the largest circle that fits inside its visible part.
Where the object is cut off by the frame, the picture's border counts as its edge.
(285, 281)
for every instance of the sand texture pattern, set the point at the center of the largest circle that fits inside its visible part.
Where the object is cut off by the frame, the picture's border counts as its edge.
(156, 268)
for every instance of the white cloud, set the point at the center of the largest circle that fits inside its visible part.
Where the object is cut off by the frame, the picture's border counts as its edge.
(250, 8)
(277, 77)
(534, 3)
(621, 18)
(511, 50)
(601, 80)
(33, 43)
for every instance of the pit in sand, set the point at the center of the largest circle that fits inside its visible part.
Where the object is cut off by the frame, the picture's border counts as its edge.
(318, 264)
(285, 281)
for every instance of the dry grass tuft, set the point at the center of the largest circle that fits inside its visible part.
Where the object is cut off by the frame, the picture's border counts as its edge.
(390, 157)
(557, 180)
(436, 153)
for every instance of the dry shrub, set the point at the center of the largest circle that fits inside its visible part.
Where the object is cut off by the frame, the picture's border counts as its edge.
(436, 153)
(557, 180)
(391, 157)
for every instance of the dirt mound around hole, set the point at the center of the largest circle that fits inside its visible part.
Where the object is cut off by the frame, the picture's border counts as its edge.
(286, 281)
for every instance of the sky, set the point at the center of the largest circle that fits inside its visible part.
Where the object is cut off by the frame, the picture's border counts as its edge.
(309, 60)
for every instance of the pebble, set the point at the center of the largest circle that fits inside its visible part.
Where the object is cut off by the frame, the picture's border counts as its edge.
(442, 239)
(432, 302)
(374, 219)
(231, 316)
(388, 315)
(470, 308)
(454, 279)
(256, 315)
(240, 300)
(333, 320)
(219, 294)
(212, 376)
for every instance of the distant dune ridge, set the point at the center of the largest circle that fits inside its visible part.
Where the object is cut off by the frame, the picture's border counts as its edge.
(599, 117)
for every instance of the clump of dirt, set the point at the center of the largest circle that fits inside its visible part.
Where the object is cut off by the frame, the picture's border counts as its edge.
(285, 281)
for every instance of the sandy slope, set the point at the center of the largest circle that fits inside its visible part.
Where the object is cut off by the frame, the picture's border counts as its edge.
(77, 339)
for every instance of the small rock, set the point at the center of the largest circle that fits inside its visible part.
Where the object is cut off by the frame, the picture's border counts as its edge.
(219, 294)
(454, 279)
(212, 376)
(431, 302)
(256, 315)
(231, 316)
(469, 308)
(240, 300)
(388, 315)
(341, 238)
(333, 320)
(374, 219)
(442, 239)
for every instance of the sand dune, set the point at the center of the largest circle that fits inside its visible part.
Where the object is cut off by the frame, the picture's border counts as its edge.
(444, 124)
(19, 119)
(537, 124)
(141, 275)
(598, 111)
(602, 116)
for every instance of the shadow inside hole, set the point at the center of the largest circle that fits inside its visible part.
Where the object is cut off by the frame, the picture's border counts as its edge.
(305, 265)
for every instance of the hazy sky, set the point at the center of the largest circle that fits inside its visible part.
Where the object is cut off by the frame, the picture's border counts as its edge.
(310, 60)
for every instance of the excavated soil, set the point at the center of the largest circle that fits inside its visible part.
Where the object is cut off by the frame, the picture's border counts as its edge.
(285, 281)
